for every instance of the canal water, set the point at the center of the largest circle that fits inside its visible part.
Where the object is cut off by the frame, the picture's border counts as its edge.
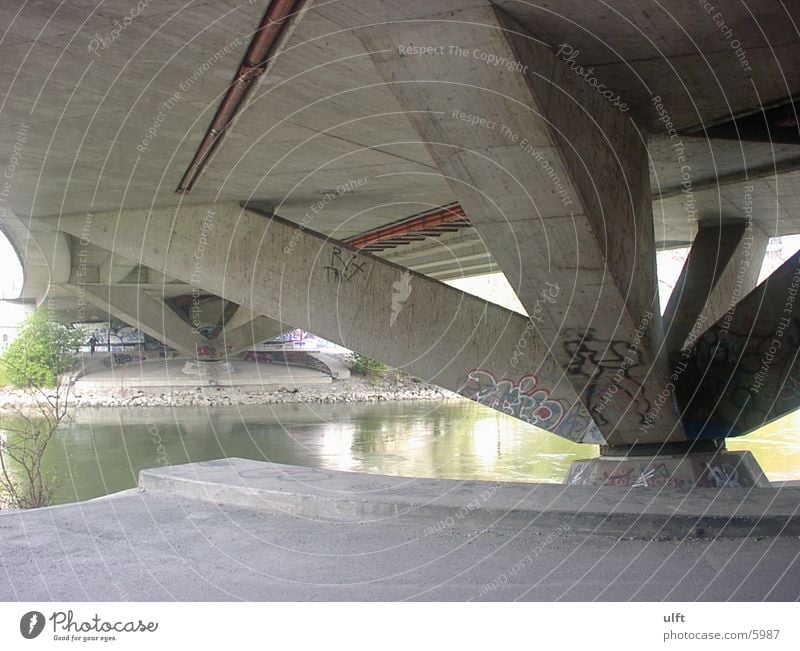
(102, 450)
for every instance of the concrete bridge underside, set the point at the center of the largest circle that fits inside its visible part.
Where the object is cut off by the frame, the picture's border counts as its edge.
(573, 142)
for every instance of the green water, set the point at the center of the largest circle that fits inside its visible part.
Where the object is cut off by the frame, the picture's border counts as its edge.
(102, 450)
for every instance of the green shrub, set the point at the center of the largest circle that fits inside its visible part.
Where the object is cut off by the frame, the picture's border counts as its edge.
(44, 349)
(367, 366)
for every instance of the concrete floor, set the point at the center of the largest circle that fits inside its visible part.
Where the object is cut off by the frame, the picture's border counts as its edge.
(149, 546)
(169, 373)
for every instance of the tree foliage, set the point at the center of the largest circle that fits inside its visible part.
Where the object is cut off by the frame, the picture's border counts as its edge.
(25, 481)
(37, 361)
(44, 349)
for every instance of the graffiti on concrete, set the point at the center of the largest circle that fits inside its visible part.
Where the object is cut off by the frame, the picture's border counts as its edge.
(722, 476)
(643, 475)
(701, 474)
(289, 358)
(606, 370)
(130, 335)
(521, 398)
(206, 351)
(750, 374)
(118, 339)
(744, 370)
(343, 265)
(577, 425)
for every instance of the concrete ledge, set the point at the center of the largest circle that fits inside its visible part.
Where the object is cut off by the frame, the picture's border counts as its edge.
(475, 505)
(267, 384)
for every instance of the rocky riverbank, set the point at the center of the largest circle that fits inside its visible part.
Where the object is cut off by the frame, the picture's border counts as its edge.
(356, 389)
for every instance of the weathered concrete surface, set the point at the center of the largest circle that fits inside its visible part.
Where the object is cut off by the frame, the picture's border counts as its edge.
(554, 177)
(235, 339)
(356, 497)
(718, 469)
(722, 268)
(744, 370)
(45, 257)
(159, 547)
(298, 277)
(678, 52)
(246, 329)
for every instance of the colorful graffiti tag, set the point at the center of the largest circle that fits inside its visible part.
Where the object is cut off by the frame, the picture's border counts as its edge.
(522, 398)
(578, 426)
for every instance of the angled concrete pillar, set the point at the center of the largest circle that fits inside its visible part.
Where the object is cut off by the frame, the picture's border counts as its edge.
(150, 315)
(744, 370)
(115, 268)
(256, 329)
(240, 318)
(722, 268)
(307, 280)
(555, 178)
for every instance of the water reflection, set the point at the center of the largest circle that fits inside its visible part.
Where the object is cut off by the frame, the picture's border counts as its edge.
(776, 447)
(103, 450)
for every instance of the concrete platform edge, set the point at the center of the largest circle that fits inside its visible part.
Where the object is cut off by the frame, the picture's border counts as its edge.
(464, 505)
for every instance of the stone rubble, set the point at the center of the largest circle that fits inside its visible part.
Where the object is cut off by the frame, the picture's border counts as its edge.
(355, 389)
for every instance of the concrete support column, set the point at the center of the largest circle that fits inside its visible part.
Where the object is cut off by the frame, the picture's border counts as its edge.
(703, 464)
(247, 329)
(744, 371)
(555, 179)
(722, 268)
(136, 308)
(115, 268)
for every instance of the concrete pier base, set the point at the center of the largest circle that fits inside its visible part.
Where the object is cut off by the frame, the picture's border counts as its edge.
(207, 370)
(669, 466)
(475, 506)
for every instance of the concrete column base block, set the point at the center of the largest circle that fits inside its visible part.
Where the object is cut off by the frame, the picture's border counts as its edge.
(208, 370)
(712, 469)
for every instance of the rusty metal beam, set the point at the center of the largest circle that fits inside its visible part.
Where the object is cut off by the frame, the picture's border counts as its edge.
(410, 228)
(252, 67)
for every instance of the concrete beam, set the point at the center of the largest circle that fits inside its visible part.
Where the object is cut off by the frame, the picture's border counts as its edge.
(45, 253)
(744, 371)
(166, 289)
(151, 316)
(84, 273)
(302, 278)
(115, 268)
(235, 338)
(554, 178)
(241, 317)
(722, 268)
